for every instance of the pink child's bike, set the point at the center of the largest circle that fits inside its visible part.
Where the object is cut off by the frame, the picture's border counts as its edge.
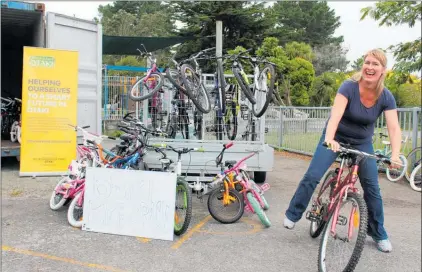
(235, 187)
(68, 186)
(147, 86)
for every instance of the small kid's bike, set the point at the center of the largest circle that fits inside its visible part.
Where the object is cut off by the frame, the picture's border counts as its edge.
(236, 186)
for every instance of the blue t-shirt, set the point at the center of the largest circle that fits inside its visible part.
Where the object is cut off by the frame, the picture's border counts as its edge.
(358, 122)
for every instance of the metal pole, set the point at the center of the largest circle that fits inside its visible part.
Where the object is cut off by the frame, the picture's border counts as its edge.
(415, 128)
(280, 139)
(218, 38)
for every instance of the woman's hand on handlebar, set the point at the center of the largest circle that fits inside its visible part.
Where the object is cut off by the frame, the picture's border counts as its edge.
(333, 145)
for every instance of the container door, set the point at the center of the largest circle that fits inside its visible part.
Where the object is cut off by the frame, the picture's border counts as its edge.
(70, 33)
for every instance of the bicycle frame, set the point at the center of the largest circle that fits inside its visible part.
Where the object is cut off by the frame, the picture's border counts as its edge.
(342, 186)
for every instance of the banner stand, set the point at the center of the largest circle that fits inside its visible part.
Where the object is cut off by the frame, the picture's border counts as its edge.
(49, 105)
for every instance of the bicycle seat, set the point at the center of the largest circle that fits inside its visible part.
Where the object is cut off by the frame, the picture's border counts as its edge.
(126, 137)
(229, 163)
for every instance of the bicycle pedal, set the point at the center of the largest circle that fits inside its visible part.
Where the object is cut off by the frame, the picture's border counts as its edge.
(312, 216)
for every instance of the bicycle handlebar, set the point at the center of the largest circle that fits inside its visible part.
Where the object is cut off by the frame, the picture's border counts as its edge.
(346, 149)
(182, 150)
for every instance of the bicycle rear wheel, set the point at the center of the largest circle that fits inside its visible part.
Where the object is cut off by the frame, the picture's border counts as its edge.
(183, 208)
(230, 121)
(244, 86)
(318, 224)
(141, 91)
(263, 93)
(327, 261)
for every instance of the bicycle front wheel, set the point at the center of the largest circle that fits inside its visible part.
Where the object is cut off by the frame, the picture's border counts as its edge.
(183, 208)
(226, 213)
(332, 248)
(145, 87)
(258, 209)
(264, 90)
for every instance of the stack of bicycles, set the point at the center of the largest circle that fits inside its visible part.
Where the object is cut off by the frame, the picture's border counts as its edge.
(411, 163)
(11, 118)
(187, 82)
(128, 154)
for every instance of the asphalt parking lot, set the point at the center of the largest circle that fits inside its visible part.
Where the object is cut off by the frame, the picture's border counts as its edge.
(35, 238)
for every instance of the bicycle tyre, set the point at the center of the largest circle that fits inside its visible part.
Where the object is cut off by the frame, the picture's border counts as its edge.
(201, 88)
(174, 81)
(183, 185)
(412, 178)
(360, 243)
(403, 172)
(184, 121)
(231, 135)
(319, 227)
(258, 210)
(222, 83)
(216, 194)
(70, 216)
(410, 162)
(150, 93)
(259, 113)
(53, 205)
(246, 90)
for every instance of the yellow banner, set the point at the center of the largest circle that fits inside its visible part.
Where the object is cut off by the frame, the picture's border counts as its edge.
(49, 104)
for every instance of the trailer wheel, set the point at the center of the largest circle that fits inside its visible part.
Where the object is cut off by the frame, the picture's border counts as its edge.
(259, 177)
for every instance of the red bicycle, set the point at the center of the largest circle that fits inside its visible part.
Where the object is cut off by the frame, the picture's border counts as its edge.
(329, 212)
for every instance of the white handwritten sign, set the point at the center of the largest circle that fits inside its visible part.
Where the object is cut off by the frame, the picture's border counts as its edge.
(130, 202)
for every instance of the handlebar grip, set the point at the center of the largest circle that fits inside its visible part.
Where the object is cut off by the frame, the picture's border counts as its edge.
(201, 149)
(228, 145)
(86, 127)
(324, 144)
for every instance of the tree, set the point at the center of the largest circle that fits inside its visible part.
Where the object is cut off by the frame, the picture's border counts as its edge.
(357, 64)
(409, 95)
(323, 90)
(329, 58)
(408, 54)
(295, 73)
(310, 22)
(244, 24)
(136, 19)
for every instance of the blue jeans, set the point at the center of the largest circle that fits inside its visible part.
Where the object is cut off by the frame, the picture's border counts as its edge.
(368, 175)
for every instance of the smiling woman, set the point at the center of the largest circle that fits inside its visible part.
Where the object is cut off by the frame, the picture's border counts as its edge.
(357, 105)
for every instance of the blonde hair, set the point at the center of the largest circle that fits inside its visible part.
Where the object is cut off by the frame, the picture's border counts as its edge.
(381, 57)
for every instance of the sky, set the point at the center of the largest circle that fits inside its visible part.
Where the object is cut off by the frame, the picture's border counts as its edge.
(359, 36)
